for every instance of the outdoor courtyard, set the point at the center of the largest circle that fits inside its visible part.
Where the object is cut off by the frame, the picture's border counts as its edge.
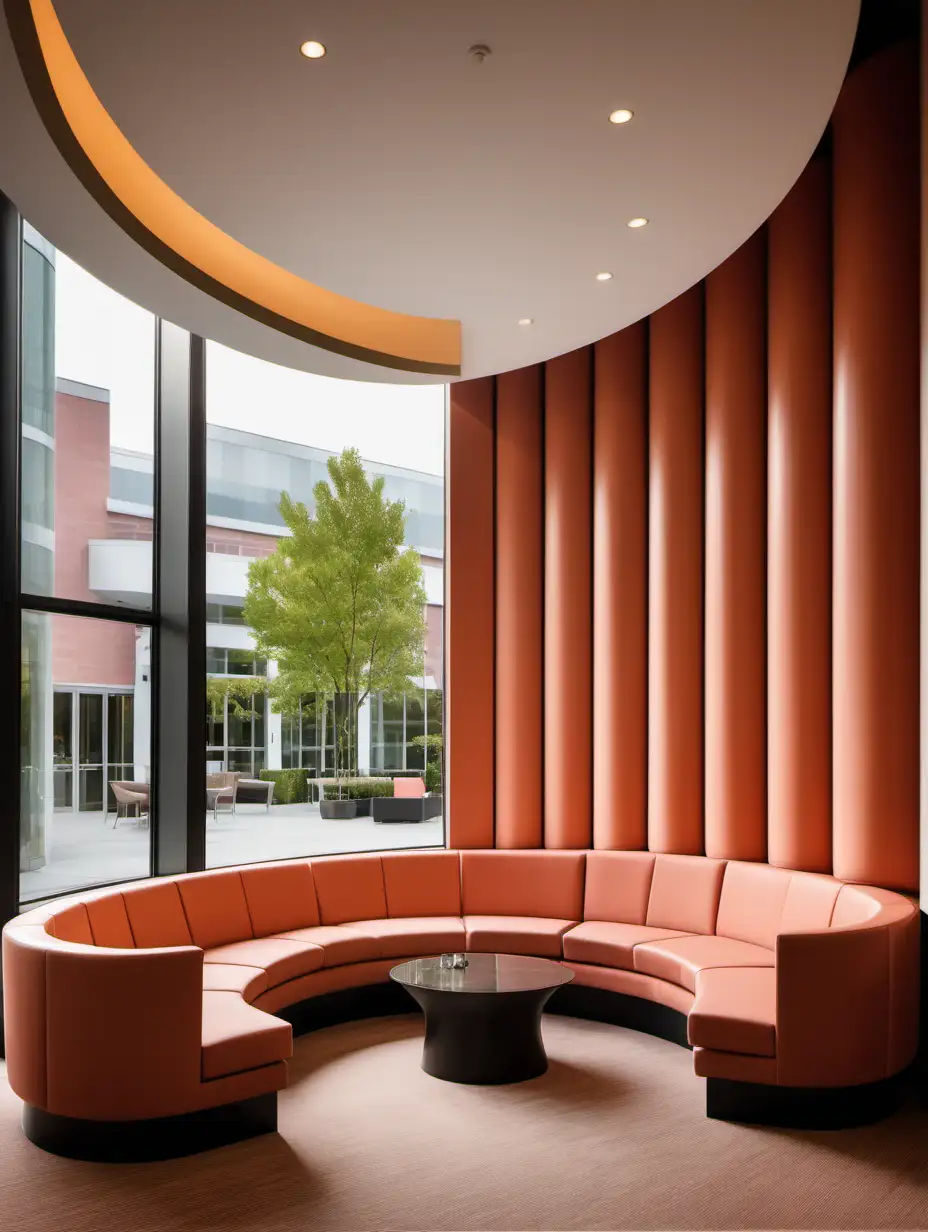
(85, 850)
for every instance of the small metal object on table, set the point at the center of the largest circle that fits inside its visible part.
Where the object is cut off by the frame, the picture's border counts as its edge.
(483, 1021)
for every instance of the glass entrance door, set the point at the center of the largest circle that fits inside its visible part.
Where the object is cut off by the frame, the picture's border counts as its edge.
(93, 745)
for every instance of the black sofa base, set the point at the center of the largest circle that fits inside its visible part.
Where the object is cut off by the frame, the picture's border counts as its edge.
(171, 1137)
(620, 1009)
(755, 1103)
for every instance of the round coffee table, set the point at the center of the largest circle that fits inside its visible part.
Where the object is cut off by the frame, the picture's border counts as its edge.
(483, 1022)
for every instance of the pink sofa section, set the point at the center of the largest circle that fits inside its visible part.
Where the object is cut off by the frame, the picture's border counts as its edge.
(160, 999)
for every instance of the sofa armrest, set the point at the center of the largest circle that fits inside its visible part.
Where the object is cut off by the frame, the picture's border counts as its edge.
(847, 1000)
(123, 1031)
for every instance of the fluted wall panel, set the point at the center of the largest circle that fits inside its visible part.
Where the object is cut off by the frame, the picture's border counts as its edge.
(736, 529)
(799, 526)
(876, 476)
(675, 586)
(469, 631)
(519, 602)
(620, 579)
(568, 810)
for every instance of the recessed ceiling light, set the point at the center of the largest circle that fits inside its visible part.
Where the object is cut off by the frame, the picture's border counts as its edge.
(526, 320)
(622, 116)
(634, 223)
(604, 276)
(312, 50)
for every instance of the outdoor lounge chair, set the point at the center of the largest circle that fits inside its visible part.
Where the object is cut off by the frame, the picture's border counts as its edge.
(131, 802)
(408, 803)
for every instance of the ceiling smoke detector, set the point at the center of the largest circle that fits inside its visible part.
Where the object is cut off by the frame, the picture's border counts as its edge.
(479, 52)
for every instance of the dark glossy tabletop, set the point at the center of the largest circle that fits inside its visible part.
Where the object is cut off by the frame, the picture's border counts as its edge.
(484, 973)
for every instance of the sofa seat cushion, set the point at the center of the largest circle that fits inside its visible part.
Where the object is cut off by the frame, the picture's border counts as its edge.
(281, 958)
(516, 934)
(339, 943)
(248, 982)
(238, 1037)
(735, 1010)
(679, 959)
(611, 945)
(415, 936)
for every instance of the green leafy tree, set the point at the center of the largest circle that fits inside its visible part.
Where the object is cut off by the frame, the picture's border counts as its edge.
(340, 603)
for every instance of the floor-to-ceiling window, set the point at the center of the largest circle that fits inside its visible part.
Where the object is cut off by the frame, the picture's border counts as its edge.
(308, 725)
(87, 396)
(284, 727)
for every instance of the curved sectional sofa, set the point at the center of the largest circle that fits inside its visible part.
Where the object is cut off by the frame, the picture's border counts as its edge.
(157, 1019)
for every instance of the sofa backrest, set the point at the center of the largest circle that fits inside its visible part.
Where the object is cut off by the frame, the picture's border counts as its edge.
(109, 921)
(215, 907)
(618, 886)
(759, 902)
(528, 883)
(685, 893)
(751, 904)
(280, 897)
(422, 883)
(156, 915)
(349, 888)
(71, 924)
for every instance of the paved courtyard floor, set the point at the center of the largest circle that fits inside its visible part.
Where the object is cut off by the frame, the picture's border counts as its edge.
(83, 850)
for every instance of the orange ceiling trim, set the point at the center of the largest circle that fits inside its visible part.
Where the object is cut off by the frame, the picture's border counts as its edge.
(187, 242)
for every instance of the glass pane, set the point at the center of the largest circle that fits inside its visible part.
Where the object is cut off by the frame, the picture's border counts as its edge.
(76, 744)
(91, 790)
(88, 434)
(90, 728)
(397, 433)
(241, 662)
(239, 724)
(63, 714)
(119, 728)
(64, 784)
(215, 660)
(241, 760)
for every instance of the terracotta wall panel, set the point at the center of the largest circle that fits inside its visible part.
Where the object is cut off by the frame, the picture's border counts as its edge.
(799, 526)
(876, 475)
(675, 578)
(620, 605)
(469, 616)
(736, 531)
(519, 599)
(568, 600)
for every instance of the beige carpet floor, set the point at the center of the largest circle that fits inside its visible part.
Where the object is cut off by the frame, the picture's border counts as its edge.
(614, 1136)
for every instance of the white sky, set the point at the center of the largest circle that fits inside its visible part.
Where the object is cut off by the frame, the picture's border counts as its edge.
(103, 339)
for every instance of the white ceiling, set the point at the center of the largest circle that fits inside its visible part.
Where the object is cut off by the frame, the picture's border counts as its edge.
(401, 172)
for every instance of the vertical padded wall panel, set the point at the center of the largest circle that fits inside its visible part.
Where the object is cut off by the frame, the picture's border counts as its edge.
(568, 601)
(620, 607)
(519, 599)
(469, 619)
(736, 541)
(876, 472)
(799, 525)
(675, 578)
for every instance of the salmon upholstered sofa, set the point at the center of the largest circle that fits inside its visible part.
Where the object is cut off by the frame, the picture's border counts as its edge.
(157, 1018)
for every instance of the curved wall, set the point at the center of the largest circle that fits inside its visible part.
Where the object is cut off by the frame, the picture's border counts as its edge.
(725, 542)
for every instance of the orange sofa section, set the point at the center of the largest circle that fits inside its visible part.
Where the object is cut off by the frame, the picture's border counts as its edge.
(161, 999)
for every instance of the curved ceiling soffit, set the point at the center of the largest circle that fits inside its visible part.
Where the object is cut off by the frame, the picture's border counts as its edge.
(148, 210)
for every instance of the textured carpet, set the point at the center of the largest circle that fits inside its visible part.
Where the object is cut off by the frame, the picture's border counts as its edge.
(613, 1136)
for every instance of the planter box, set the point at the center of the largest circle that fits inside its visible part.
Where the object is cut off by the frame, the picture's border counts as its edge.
(338, 810)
